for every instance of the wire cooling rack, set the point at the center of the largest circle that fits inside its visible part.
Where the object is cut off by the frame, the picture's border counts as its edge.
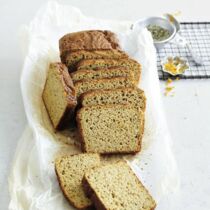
(198, 36)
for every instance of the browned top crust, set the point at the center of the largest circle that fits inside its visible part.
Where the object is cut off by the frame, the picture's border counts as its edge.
(87, 40)
(67, 83)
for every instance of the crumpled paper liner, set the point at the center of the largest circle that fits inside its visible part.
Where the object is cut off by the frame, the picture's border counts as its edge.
(32, 181)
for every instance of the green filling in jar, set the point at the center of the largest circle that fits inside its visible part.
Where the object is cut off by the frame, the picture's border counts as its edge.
(158, 33)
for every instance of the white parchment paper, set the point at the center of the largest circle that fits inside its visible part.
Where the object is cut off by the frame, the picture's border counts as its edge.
(32, 182)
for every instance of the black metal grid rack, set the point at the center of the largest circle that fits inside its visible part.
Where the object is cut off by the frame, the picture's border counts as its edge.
(198, 36)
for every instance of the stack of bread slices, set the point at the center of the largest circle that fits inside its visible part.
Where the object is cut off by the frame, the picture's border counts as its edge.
(96, 84)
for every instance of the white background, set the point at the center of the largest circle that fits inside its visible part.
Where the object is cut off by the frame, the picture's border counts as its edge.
(187, 113)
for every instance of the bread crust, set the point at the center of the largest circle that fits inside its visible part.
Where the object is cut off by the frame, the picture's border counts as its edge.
(73, 58)
(92, 195)
(90, 63)
(130, 81)
(82, 139)
(96, 199)
(104, 91)
(79, 127)
(70, 95)
(65, 195)
(87, 40)
(125, 73)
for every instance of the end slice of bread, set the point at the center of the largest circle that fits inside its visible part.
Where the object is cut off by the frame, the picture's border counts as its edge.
(70, 171)
(110, 129)
(132, 96)
(92, 64)
(115, 186)
(59, 95)
(101, 74)
(87, 40)
(95, 84)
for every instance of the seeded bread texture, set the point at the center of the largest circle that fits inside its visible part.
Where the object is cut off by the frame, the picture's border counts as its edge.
(59, 95)
(87, 40)
(92, 64)
(74, 57)
(115, 186)
(70, 171)
(132, 96)
(110, 129)
(100, 74)
(86, 85)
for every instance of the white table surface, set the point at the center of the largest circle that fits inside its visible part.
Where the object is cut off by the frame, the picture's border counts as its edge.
(187, 112)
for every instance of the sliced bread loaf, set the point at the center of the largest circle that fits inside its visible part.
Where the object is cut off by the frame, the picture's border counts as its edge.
(59, 95)
(92, 64)
(132, 96)
(115, 186)
(86, 85)
(110, 129)
(100, 74)
(70, 171)
(74, 57)
(87, 40)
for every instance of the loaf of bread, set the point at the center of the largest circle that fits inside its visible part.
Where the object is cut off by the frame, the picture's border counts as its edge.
(70, 171)
(92, 64)
(59, 95)
(132, 96)
(101, 74)
(116, 187)
(110, 120)
(87, 40)
(86, 85)
(110, 129)
(73, 58)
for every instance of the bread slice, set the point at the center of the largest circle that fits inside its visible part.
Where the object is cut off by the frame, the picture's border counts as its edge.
(70, 171)
(118, 82)
(59, 95)
(115, 186)
(110, 129)
(132, 96)
(87, 40)
(100, 74)
(74, 57)
(92, 64)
